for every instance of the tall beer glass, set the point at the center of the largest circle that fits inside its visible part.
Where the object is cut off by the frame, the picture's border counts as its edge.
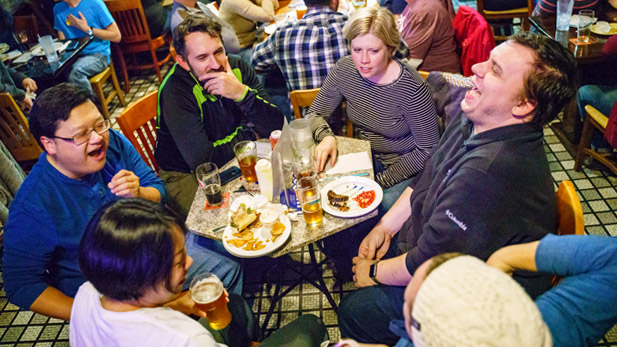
(208, 294)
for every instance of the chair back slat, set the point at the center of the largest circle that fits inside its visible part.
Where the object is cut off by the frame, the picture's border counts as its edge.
(140, 118)
(14, 131)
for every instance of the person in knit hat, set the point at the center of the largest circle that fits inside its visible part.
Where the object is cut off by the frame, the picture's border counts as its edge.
(464, 302)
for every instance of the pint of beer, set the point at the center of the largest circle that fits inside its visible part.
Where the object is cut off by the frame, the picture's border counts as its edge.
(208, 294)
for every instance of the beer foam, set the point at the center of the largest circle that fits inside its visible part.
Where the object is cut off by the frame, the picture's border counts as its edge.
(206, 290)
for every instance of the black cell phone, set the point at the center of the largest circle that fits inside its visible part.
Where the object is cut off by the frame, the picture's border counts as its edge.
(230, 174)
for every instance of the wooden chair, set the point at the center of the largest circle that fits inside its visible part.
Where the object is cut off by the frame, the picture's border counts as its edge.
(140, 118)
(523, 13)
(569, 214)
(131, 20)
(595, 119)
(28, 24)
(14, 131)
(98, 82)
(569, 210)
(304, 98)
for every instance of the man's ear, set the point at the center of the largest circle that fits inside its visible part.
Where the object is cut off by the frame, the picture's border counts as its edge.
(524, 109)
(183, 63)
(49, 145)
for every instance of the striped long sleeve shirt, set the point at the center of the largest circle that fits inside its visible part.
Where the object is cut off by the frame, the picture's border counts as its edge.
(399, 118)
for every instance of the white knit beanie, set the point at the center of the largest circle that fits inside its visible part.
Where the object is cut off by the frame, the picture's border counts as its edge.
(465, 302)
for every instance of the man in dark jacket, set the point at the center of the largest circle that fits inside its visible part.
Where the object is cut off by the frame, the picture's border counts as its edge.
(487, 185)
(208, 102)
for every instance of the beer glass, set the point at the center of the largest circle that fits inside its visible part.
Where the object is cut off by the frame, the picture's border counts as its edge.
(585, 20)
(209, 179)
(208, 293)
(246, 153)
(310, 199)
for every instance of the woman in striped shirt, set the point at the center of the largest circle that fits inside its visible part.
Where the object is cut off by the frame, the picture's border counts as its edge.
(388, 102)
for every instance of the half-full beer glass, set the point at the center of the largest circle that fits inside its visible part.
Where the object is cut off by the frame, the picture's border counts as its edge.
(208, 294)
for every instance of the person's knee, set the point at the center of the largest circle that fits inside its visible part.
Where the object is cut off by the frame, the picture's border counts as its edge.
(347, 312)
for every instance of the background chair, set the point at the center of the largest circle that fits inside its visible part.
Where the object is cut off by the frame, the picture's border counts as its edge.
(140, 118)
(98, 82)
(131, 20)
(304, 98)
(595, 119)
(14, 131)
(522, 13)
(28, 24)
(569, 210)
(569, 214)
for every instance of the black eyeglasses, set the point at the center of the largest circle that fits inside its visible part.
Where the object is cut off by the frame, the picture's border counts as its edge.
(81, 138)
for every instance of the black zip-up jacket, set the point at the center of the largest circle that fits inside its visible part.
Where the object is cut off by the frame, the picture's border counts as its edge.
(480, 193)
(195, 127)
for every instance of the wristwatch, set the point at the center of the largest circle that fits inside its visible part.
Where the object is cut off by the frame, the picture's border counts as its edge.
(372, 272)
(90, 32)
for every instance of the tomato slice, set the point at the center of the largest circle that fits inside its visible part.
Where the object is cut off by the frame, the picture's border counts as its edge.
(365, 199)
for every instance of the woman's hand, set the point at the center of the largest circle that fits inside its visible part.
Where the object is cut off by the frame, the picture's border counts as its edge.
(327, 147)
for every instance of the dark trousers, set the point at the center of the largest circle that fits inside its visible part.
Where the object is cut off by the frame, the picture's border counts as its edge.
(365, 314)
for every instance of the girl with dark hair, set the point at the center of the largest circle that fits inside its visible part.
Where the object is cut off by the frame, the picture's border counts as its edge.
(134, 258)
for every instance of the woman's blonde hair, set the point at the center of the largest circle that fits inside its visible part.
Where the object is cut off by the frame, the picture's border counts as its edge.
(378, 21)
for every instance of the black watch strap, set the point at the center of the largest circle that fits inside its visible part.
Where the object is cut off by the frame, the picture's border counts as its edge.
(373, 272)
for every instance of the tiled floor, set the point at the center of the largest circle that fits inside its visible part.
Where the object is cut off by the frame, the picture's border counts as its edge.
(596, 190)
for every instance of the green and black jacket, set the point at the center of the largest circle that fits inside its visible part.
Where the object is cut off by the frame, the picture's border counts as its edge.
(196, 127)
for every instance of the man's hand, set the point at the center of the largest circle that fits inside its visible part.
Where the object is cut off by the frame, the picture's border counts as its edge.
(28, 83)
(223, 83)
(125, 183)
(80, 23)
(327, 147)
(26, 104)
(375, 245)
(361, 275)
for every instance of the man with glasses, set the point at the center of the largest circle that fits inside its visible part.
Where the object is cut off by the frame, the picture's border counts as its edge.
(84, 166)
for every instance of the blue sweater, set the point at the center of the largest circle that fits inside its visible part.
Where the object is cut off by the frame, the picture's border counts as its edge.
(48, 217)
(583, 307)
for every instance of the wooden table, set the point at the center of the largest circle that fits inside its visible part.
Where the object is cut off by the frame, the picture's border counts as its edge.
(208, 223)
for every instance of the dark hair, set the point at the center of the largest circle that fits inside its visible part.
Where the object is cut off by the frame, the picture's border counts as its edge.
(191, 24)
(552, 80)
(128, 248)
(55, 105)
(317, 3)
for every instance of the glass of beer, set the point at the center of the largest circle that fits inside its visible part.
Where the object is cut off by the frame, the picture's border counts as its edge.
(246, 153)
(209, 179)
(358, 4)
(309, 196)
(208, 293)
(301, 10)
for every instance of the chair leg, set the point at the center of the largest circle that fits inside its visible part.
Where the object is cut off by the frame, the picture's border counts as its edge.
(125, 73)
(155, 62)
(584, 143)
(98, 89)
(114, 80)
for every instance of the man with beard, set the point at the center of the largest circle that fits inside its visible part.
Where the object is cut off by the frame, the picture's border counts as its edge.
(207, 103)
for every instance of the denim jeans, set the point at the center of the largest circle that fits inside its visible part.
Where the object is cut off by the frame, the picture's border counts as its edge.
(87, 66)
(210, 256)
(365, 314)
(602, 98)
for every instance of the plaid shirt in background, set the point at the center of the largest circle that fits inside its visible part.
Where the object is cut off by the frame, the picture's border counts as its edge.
(304, 50)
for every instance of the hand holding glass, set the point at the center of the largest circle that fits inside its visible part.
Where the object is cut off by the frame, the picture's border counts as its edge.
(209, 295)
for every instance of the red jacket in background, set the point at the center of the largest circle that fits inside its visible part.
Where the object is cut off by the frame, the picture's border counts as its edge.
(474, 38)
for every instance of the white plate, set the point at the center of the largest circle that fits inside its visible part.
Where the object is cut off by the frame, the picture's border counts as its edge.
(613, 31)
(574, 20)
(343, 185)
(258, 202)
(38, 50)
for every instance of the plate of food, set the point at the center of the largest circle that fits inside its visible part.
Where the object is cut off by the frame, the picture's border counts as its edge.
(256, 227)
(37, 51)
(604, 28)
(351, 196)
(574, 20)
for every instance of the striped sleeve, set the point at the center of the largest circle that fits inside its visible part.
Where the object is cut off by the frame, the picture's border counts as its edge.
(327, 100)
